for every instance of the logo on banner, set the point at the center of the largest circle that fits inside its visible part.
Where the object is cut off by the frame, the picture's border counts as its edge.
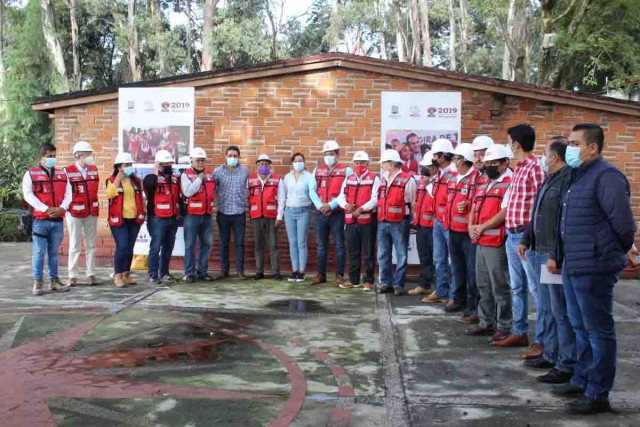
(165, 106)
(395, 112)
(431, 112)
(414, 111)
(148, 105)
(131, 105)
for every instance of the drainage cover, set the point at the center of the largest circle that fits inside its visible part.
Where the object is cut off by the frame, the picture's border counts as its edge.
(296, 305)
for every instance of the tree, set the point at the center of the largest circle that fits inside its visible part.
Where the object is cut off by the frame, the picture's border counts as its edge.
(426, 36)
(77, 73)
(47, 14)
(311, 39)
(452, 35)
(207, 34)
(134, 49)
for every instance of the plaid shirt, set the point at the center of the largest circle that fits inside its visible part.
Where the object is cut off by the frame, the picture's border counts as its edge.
(525, 183)
(231, 189)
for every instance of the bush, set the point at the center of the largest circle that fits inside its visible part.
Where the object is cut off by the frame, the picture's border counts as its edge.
(9, 228)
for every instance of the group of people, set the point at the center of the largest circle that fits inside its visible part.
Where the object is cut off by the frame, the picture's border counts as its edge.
(143, 144)
(486, 235)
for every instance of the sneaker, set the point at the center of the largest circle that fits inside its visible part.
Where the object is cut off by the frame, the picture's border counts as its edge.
(398, 292)
(277, 277)
(338, 281)
(57, 286)
(567, 390)
(555, 376)
(258, 276)
(368, 287)
(586, 406)
(189, 279)
(37, 288)
(300, 277)
(223, 275)
(293, 277)
(206, 278)
(384, 289)
(168, 279)
(154, 280)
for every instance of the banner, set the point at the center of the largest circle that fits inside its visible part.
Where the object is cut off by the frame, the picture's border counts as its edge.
(410, 122)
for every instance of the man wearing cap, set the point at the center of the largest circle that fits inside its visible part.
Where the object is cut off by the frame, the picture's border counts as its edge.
(324, 193)
(198, 187)
(396, 198)
(264, 188)
(163, 208)
(487, 229)
(423, 218)
(359, 198)
(464, 293)
(82, 216)
(443, 154)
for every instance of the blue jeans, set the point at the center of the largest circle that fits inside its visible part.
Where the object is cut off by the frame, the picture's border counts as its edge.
(463, 289)
(590, 308)
(522, 279)
(125, 237)
(396, 235)
(334, 224)
(197, 227)
(298, 221)
(441, 259)
(47, 237)
(225, 224)
(163, 237)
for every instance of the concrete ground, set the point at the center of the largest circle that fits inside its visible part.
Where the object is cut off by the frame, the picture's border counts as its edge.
(233, 353)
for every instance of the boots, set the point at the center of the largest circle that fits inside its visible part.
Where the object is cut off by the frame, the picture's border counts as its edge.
(128, 280)
(119, 281)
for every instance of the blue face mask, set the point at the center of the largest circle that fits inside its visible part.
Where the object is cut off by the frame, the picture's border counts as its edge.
(572, 157)
(298, 166)
(232, 162)
(129, 170)
(329, 160)
(50, 162)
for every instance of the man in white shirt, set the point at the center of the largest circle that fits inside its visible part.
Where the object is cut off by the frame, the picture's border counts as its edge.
(48, 192)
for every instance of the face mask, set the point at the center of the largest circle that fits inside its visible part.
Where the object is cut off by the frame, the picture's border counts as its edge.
(232, 162)
(329, 160)
(129, 170)
(263, 170)
(492, 172)
(89, 161)
(425, 172)
(359, 169)
(435, 163)
(482, 168)
(167, 170)
(50, 162)
(572, 157)
(298, 166)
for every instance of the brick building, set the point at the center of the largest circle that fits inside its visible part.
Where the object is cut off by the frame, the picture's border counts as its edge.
(296, 105)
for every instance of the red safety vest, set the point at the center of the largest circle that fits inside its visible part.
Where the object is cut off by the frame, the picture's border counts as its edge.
(116, 205)
(459, 192)
(486, 206)
(423, 214)
(440, 189)
(49, 191)
(391, 204)
(166, 202)
(201, 203)
(330, 182)
(357, 193)
(263, 202)
(84, 201)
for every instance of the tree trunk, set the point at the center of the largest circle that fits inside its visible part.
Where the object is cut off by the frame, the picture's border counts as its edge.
(1, 50)
(507, 73)
(47, 17)
(207, 33)
(77, 73)
(452, 36)
(464, 36)
(134, 50)
(414, 20)
(400, 45)
(274, 30)
(189, 40)
(426, 36)
(160, 36)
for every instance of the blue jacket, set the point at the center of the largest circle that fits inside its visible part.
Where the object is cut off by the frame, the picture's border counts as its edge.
(597, 228)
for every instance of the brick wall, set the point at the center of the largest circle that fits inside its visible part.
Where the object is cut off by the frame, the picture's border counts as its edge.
(298, 112)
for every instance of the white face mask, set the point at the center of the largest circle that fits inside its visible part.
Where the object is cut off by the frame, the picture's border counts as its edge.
(89, 161)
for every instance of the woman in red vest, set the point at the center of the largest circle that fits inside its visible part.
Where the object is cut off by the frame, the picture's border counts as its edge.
(126, 215)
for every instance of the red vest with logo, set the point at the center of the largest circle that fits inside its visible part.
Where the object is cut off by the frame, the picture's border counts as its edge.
(460, 192)
(201, 203)
(440, 194)
(391, 204)
(166, 202)
(330, 182)
(84, 200)
(116, 204)
(263, 202)
(357, 194)
(49, 191)
(487, 204)
(423, 211)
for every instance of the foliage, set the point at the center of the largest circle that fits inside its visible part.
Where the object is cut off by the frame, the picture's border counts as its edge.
(15, 159)
(9, 231)
(310, 39)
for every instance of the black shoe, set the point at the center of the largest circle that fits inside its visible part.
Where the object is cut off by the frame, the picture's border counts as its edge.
(454, 308)
(206, 278)
(567, 390)
(293, 277)
(301, 277)
(258, 276)
(277, 277)
(386, 289)
(154, 280)
(189, 279)
(539, 363)
(398, 292)
(224, 275)
(168, 279)
(586, 406)
(555, 377)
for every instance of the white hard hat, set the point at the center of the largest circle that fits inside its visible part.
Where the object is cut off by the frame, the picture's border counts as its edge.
(497, 152)
(427, 159)
(361, 156)
(330, 146)
(442, 145)
(464, 150)
(482, 142)
(123, 158)
(198, 153)
(390, 156)
(163, 156)
(82, 146)
(263, 157)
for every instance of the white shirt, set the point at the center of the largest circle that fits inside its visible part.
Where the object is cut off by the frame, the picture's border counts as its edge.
(29, 197)
(294, 193)
(373, 201)
(443, 171)
(459, 177)
(189, 188)
(82, 170)
(409, 190)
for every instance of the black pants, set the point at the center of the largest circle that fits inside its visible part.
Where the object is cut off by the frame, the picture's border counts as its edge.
(424, 241)
(361, 238)
(225, 224)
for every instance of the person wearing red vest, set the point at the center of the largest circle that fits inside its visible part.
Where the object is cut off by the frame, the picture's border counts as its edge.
(47, 190)
(423, 218)
(198, 187)
(409, 164)
(324, 194)
(443, 154)
(82, 217)
(264, 193)
(359, 198)
(126, 215)
(487, 228)
(396, 198)
(163, 209)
